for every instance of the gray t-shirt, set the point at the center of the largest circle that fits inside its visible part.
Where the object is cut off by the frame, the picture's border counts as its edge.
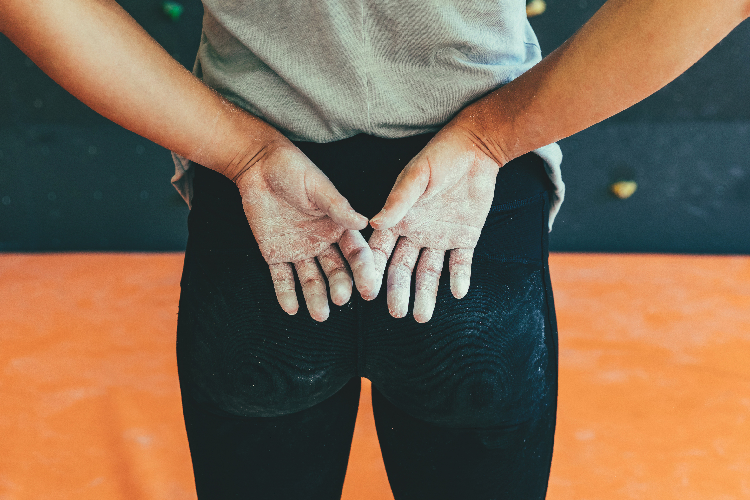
(325, 70)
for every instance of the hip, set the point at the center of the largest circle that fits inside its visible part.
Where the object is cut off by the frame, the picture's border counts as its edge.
(364, 168)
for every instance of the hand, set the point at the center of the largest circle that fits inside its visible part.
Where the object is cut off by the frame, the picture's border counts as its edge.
(439, 203)
(297, 217)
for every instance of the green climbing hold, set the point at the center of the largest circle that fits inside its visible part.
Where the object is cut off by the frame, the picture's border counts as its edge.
(172, 10)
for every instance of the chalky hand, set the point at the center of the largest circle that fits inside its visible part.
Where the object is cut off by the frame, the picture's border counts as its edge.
(438, 204)
(299, 219)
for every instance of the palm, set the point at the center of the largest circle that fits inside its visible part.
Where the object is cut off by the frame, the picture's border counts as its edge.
(286, 224)
(439, 203)
(299, 219)
(451, 216)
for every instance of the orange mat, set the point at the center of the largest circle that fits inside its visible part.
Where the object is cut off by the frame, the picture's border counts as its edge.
(654, 380)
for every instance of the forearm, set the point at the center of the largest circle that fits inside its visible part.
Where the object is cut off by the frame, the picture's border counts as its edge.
(97, 52)
(627, 51)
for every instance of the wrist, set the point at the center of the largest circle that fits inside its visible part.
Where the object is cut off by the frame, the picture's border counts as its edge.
(491, 131)
(256, 161)
(235, 141)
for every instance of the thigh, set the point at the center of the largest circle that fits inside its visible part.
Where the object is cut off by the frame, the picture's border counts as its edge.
(297, 455)
(465, 404)
(467, 407)
(427, 461)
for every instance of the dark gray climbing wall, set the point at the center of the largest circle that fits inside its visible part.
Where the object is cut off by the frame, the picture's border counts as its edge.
(71, 180)
(687, 146)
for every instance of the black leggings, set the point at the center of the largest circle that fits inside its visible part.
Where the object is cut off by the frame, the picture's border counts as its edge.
(464, 404)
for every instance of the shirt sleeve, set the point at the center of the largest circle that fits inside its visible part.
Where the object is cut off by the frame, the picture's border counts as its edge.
(183, 178)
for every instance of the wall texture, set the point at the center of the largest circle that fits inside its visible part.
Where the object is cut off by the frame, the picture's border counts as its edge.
(71, 180)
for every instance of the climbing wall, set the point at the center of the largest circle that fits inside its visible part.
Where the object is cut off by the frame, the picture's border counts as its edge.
(686, 149)
(71, 180)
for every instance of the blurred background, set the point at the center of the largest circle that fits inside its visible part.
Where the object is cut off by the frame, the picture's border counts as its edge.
(71, 180)
(654, 343)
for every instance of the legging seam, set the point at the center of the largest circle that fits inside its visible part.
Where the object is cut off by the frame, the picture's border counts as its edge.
(552, 325)
(360, 360)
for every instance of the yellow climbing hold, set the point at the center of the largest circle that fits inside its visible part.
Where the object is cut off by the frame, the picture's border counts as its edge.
(623, 189)
(535, 7)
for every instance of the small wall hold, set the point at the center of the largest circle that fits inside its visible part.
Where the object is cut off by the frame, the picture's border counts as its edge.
(623, 189)
(535, 7)
(172, 10)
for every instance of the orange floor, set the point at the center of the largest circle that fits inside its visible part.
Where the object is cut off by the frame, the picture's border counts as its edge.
(654, 380)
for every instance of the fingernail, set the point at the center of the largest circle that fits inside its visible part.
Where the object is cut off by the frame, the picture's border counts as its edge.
(364, 290)
(422, 311)
(420, 316)
(289, 305)
(321, 315)
(340, 294)
(398, 305)
(372, 293)
(397, 312)
(378, 219)
(460, 288)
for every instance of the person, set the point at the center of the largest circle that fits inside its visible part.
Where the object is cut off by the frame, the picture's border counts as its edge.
(434, 123)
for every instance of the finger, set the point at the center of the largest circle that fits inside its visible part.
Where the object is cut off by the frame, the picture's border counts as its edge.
(362, 263)
(339, 279)
(313, 288)
(283, 283)
(399, 277)
(381, 243)
(427, 280)
(325, 196)
(410, 185)
(460, 269)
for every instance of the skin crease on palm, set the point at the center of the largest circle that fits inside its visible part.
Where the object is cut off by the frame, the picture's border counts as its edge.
(439, 203)
(299, 219)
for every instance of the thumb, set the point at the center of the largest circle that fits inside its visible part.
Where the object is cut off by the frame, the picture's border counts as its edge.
(324, 195)
(410, 185)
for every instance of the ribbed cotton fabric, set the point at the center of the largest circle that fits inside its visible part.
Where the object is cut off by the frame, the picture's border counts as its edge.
(326, 70)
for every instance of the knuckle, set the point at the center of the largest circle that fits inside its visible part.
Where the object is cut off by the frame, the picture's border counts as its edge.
(460, 270)
(430, 273)
(401, 267)
(379, 253)
(357, 254)
(338, 273)
(330, 261)
(283, 286)
(311, 281)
